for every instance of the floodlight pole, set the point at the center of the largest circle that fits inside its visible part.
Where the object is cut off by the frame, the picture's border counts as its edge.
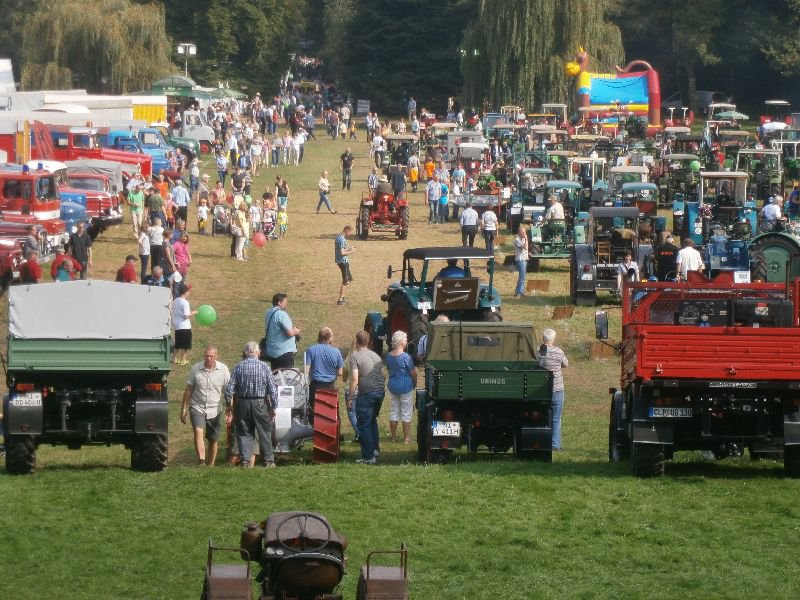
(187, 49)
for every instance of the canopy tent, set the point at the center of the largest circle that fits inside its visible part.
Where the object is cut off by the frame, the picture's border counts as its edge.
(178, 86)
(222, 93)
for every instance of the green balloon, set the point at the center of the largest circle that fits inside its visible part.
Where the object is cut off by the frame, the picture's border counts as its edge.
(206, 315)
(695, 165)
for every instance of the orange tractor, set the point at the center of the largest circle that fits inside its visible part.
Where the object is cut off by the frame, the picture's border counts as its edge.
(381, 212)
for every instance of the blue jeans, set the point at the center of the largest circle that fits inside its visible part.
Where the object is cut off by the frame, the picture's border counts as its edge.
(522, 266)
(351, 413)
(323, 199)
(434, 206)
(367, 408)
(558, 408)
(488, 236)
(252, 415)
(276, 154)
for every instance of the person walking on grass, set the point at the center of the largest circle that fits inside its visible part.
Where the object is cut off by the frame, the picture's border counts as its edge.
(324, 187)
(342, 251)
(401, 383)
(521, 260)
(552, 358)
(202, 403)
(182, 314)
(366, 392)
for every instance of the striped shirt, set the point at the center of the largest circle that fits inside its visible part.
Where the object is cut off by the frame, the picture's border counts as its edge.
(553, 361)
(252, 378)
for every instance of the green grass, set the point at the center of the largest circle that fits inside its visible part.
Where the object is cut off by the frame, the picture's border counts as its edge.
(85, 526)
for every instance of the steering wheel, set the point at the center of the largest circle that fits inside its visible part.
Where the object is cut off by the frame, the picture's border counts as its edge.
(305, 519)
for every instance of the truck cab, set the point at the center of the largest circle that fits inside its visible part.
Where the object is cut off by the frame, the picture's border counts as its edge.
(25, 194)
(127, 141)
(72, 143)
(195, 126)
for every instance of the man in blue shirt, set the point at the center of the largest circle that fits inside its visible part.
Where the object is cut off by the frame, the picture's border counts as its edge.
(180, 195)
(281, 343)
(249, 389)
(342, 252)
(323, 364)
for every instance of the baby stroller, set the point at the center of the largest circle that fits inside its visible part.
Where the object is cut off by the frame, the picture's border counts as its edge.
(268, 227)
(221, 220)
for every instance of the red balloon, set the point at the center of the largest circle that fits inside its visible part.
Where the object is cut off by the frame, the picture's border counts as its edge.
(260, 240)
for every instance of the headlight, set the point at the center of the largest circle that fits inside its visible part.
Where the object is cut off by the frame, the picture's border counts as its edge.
(270, 551)
(279, 552)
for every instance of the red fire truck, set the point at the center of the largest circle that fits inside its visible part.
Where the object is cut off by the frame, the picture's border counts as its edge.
(73, 143)
(707, 365)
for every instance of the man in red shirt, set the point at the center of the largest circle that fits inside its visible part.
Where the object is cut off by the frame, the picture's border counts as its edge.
(61, 256)
(127, 272)
(30, 271)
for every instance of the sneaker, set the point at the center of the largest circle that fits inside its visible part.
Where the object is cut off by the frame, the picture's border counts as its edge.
(363, 461)
(341, 301)
(355, 440)
(377, 453)
(269, 465)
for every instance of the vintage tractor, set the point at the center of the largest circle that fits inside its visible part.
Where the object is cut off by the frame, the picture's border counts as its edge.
(423, 293)
(678, 174)
(381, 212)
(611, 232)
(775, 255)
(399, 147)
(555, 240)
(528, 194)
(302, 557)
(764, 167)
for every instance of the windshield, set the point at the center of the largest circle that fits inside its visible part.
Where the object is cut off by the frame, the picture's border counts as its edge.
(87, 183)
(149, 138)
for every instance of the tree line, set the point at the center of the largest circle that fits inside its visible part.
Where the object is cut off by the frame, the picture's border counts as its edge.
(482, 52)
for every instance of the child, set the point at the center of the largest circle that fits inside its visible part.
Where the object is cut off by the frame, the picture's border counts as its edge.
(268, 223)
(255, 216)
(283, 221)
(202, 216)
(353, 135)
(170, 210)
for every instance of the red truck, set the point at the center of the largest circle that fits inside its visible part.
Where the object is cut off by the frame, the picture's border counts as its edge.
(25, 195)
(102, 204)
(707, 365)
(73, 143)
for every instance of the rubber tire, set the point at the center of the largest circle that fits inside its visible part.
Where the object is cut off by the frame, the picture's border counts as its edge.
(487, 316)
(758, 268)
(618, 449)
(417, 323)
(573, 284)
(20, 454)
(533, 263)
(648, 459)
(422, 437)
(363, 223)
(376, 344)
(791, 461)
(405, 221)
(149, 453)
(513, 225)
(206, 147)
(586, 298)
(781, 242)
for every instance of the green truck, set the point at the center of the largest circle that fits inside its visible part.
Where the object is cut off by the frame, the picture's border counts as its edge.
(484, 389)
(91, 374)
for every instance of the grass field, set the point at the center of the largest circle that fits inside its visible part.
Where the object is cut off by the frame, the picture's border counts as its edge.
(85, 526)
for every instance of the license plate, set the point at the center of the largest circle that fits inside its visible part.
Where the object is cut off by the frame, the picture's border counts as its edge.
(515, 210)
(27, 399)
(446, 428)
(424, 305)
(586, 276)
(658, 411)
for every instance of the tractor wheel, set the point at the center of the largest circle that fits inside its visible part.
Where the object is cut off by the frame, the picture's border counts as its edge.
(487, 316)
(363, 223)
(618, 445)
(327, 428)
(791, 461)
(376, 344)
(205, 147)
(648, 459)
(149, 453)
(573, 284)
(513, 224)
(758, 266)
(403, 317)
(423, 430)
(405, 221)
(20, 454)
(533, 262)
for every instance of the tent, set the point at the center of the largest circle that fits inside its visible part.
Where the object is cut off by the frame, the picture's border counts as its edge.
(175, 85)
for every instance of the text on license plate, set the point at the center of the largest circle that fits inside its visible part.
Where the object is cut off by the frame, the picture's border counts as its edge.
(27, 399)
(586, 276)
(446, 428)
(659, 411)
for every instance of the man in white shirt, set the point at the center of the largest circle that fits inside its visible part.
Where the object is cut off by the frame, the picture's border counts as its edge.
(489, 228)
(469, 225)
(689, 259)
(378, 148)
(771, 213)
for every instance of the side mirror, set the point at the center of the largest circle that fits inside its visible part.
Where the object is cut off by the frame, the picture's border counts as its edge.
(389, 272)
(601, 325)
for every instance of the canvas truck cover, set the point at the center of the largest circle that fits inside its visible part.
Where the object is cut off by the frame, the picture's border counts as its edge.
(111, 169)
(88, 310)
(482, 341)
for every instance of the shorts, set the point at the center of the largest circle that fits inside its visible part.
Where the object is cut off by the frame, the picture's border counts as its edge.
(401, 406)
(183, 339)
(213, 426)
(347, 277)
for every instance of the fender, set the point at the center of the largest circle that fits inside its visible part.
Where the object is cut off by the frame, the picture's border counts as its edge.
(378, 324)
(22, 419)
(152, 416)
(422, 400)
(649, 432)
(584, 255)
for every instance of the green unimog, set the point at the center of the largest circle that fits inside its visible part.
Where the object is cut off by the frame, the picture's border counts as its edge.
(87, 364)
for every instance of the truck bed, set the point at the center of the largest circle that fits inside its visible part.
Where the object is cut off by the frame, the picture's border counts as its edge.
(714, 353)
(43, 355)
(489, 380)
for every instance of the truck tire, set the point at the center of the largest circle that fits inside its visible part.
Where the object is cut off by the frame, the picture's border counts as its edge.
(791, 461)
(758, 266)
(422, 437)
(405, 220)
(403, 317)
(375, 342)
(20, 454)
(149, 453)
(533, 262)
(585, 298)
(648, 459)
(573, 284)
(618, 445)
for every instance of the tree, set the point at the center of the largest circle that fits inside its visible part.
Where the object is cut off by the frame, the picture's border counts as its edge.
(100, 45)
(514, 51)
(400, 48)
